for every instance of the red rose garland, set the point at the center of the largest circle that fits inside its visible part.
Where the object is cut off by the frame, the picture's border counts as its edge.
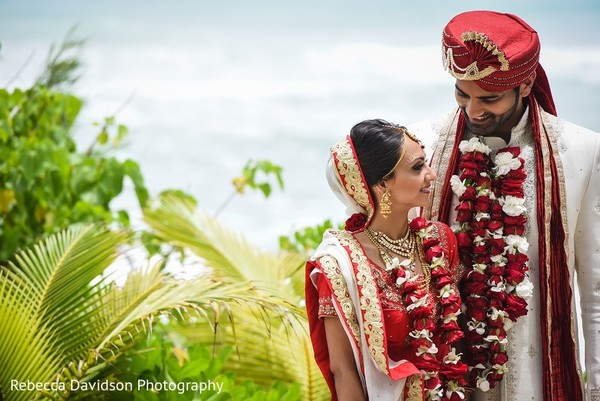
(491, 222)
(444, 372)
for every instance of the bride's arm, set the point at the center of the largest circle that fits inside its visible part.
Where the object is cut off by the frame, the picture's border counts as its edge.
(342, 365)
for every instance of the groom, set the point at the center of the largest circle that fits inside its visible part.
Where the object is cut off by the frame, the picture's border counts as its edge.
(521, 188)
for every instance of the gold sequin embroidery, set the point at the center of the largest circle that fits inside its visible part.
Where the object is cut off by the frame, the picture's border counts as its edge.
(415, 388)
(349, 172)
(340, 291)
(368, 300)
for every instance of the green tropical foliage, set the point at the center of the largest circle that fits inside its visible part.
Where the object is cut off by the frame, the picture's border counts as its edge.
(65, 318)
(307, 239)
(265, 352)
(168, 358)
(255, 175)
(46, 184)
(74, 310)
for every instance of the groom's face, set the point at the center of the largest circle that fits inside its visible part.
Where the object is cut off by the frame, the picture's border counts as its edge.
(488, 113)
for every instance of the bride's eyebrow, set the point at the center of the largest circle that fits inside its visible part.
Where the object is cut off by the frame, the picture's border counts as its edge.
(413, 158)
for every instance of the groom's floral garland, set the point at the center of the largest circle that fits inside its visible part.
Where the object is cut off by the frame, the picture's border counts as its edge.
(444, 372)
(491, 222)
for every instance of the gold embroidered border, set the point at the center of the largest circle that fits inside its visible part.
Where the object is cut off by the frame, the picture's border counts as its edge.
(472, 72)
(553, 145)
(340, 290)
(414, 388)
(348, 170)
(368, 300)
(440, 161)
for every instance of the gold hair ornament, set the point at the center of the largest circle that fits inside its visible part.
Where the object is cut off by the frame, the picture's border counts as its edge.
(404, 132)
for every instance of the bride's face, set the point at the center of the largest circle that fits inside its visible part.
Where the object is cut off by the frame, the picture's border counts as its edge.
(410, 185)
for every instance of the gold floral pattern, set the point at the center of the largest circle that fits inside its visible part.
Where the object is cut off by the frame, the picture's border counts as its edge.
(472, 71)
(414, 388)
(340, 291)
(368, 299)
(350, 175)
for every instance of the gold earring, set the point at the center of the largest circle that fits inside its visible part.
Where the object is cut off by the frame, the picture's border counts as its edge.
(385, 204)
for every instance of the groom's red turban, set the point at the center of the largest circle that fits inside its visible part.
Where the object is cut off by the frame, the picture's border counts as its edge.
(498, 51)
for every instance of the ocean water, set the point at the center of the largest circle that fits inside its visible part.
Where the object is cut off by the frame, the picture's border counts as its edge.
(205, 86)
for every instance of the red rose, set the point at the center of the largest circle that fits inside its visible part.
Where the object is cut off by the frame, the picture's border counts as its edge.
(454, 370)
(469, 194)
(478, 224)
(494, 378)
(434, 252)
(451, 299)
(500, 358)
(356, 222)
(450, 308)
(483, 181)
(453, 336)
(419, 342)
(495, 323)
(480, 250)
(497, 243)
(496, 209)
(495, 347)
(478, 314)
(476, 302)
(515, 306)
(418, 223)
(471, 337)
(514, 230)
(469, 174)
(409, 286)
(428, 363)
(515, 220)
(463, 217)
(429, 242)
(463, 239)
(483, 207)
(516, 266)
(481, 259)
(493, 225)
(517, 257)
(476, 288)
(439, 272)
(466, 163)
(477, 277)
(517, 174)
(477, 357)
(514, 277)
(432, 382)
(496, 302)
(443, 281)
(496, 270)
(496, 296)
(465, 206)
(450, 326)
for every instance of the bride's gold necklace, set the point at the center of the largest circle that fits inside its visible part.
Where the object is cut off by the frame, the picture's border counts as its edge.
(405, 247)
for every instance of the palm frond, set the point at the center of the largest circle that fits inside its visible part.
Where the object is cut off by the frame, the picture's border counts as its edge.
(228, 253)
(284, 353)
